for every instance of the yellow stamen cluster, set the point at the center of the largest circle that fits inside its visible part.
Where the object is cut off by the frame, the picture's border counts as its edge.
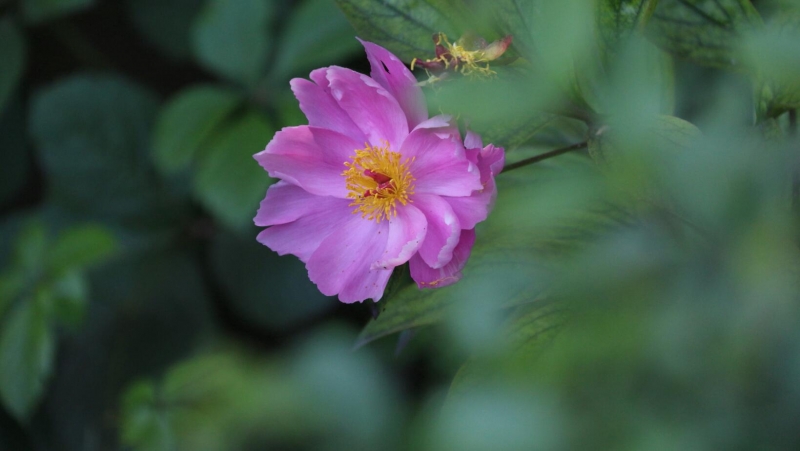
(470, 63)
(377, 180)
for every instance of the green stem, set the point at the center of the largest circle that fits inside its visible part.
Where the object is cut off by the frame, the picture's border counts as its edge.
(545, 156)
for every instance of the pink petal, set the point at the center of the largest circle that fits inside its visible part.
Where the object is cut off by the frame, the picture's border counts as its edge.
(427, 277)
(473, 209)
(284, 203)
(440, 164)
(395, 77)
(442, 125)
(304, 235)
(310, 157)
(322, 110)
(368, 286)
(374, 110)
(491, 158)
(407, 232)
(473, 140)
(341, 265)
(443, 230)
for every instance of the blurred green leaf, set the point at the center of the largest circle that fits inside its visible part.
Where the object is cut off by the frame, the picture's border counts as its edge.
(525, 335)
(151, 310)
(632, 153)
(263, 288)
(316, 35)
(228, 181)
(666, 134)
(70, 293)
(618, 19)
(12, 283)
(166, 23)
(516, 18)
(507, 110)
(704, 31)
(556, 38)
(404, 27)
(232, 38)
(144, 426)
(27, 349)
(775, 59)
(12, 54)
(15, 162)
(212, 402)
(93, 136)
(78, 247)
(31, 248)
(187, 121)
(36, 11)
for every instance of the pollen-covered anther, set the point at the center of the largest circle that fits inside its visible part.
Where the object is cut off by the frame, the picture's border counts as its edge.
(377, 179)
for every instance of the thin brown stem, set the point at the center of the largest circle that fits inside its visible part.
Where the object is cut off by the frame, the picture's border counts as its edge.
(545, 156)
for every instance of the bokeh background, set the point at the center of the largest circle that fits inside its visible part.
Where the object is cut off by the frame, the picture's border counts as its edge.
(640, 292)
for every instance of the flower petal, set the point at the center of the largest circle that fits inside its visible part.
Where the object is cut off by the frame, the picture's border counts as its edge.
(284, 203)
(374, 110)
(473, 140)
(440, 164)
(491, 161)
(310, 157)
(322, 110)
(443, 230)
(303, 236)
(395, 77)
(407, 232)
(427, 277)
(341, 265)
(473, 209)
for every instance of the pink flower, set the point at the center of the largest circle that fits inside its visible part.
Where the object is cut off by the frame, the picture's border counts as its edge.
(372, 183)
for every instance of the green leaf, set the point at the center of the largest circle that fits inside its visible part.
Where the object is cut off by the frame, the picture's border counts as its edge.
(12, 282)
(79, 247)
(93, 136)
(31, 248)
(618, 19)
(71, 296)
(553, 36)
(775, 59)
(231, 37)
(665, 134)
(27, 349)
(12, 54)
(704, 31)
(187, 121)
(37, 11)
(166, 23)
(145, 427)
(228, 181)
(526, 334)
(317, 34)
(505, 111)
(404, 27)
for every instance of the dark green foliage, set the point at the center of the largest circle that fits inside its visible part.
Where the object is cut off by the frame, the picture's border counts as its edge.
(635, 286)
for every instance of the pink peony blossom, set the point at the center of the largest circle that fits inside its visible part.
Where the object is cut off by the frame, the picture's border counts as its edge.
(372, 183)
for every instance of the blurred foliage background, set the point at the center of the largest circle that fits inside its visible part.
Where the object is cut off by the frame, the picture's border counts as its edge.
(640, 292)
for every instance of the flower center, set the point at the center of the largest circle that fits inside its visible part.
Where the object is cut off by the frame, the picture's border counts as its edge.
(377, 180)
